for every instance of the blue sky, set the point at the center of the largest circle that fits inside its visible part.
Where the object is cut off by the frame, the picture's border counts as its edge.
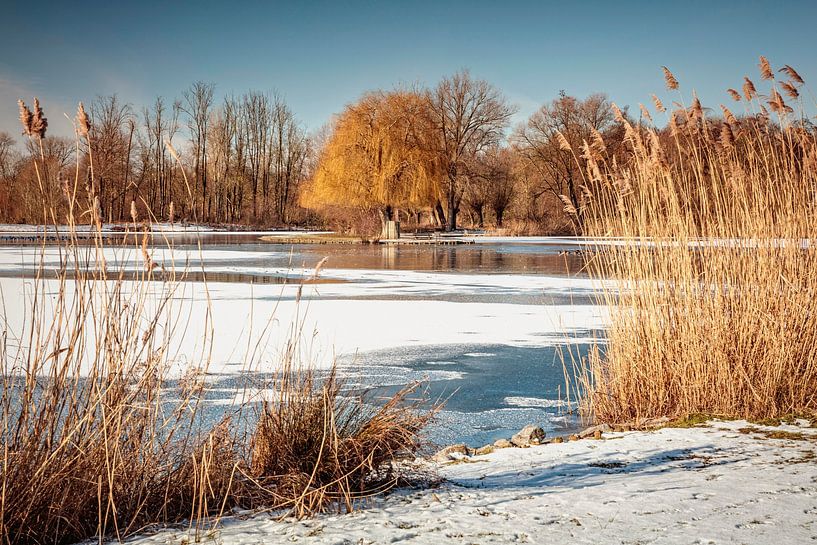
(321, 56)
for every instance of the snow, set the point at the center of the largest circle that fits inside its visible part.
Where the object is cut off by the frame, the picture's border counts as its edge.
(518, 401)
(243, 315)
(706, 485)
(364, 310)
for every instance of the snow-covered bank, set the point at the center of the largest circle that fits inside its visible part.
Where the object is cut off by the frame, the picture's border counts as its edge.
(726, 483)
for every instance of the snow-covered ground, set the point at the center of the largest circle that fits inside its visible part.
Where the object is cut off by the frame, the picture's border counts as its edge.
(725, 483)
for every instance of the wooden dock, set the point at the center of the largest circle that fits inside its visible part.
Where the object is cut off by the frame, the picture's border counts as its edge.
(314, 239)
(428, 241)
(411, 239)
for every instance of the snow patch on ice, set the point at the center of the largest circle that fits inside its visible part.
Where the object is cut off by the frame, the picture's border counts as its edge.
(516, 401)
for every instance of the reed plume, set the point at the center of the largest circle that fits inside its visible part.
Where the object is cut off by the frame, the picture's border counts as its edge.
(729, 116)
(727, 137)
(644, 112)
(789, 89)
(749, 90)
(39, 123)
(734, 94)
(658, 104)
(777, 104)
(26, 118)
(765, 69)
(669, 79)
(792, 73)
(564, 145)
(83, 123)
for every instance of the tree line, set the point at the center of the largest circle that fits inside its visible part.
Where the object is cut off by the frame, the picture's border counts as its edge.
(241, 161)
(441, 152)
(444, 156)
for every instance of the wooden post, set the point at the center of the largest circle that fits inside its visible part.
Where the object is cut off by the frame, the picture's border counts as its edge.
(393, 230)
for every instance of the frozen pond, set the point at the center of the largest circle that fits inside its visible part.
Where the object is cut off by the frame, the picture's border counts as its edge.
(487, 325)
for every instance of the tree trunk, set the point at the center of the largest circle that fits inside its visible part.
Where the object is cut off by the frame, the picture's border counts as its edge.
(385, 216)
(451, 225)
(439, 215)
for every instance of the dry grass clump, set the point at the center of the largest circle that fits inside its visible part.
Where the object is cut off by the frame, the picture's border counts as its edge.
(99, 440)
(714, 310)
(313, 446)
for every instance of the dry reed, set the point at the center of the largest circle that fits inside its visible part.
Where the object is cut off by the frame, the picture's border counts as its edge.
(714, 306)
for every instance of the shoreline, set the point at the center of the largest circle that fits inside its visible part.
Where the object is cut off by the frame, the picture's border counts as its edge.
(720, 482)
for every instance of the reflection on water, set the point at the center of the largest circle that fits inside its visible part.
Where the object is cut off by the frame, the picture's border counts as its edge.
(513, 258)
(552, 259)
(485, 258)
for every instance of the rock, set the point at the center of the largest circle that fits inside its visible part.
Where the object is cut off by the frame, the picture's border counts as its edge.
(487, 449)
(451, 452)
(529, 435)
(557, 440)
(654, 422)
(502, 443)
(591, 431)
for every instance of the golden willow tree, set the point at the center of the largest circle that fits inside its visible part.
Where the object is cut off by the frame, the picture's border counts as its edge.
(378, 158)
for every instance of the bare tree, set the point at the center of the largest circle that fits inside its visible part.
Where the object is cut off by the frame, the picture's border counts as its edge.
(196, 103)
(255, 127)
(498, 168)
(111, 141)
(161, 124)
(470, 116)
(490, 184)
(551, 142)
(7, 155)
(42, 184)
(288, 150)
(8, 165)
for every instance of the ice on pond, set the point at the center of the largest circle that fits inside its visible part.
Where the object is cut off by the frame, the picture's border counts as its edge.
(485, 325)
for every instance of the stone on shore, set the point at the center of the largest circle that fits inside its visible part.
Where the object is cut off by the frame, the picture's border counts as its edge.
(529, 435)
(451, 452)
(594, 430)
(502, 443)
(487, 449)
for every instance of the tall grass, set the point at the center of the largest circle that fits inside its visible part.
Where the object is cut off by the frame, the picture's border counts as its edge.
(99, 439)
(714, 306)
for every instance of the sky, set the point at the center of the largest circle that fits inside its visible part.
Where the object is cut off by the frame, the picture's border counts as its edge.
(321, 56)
